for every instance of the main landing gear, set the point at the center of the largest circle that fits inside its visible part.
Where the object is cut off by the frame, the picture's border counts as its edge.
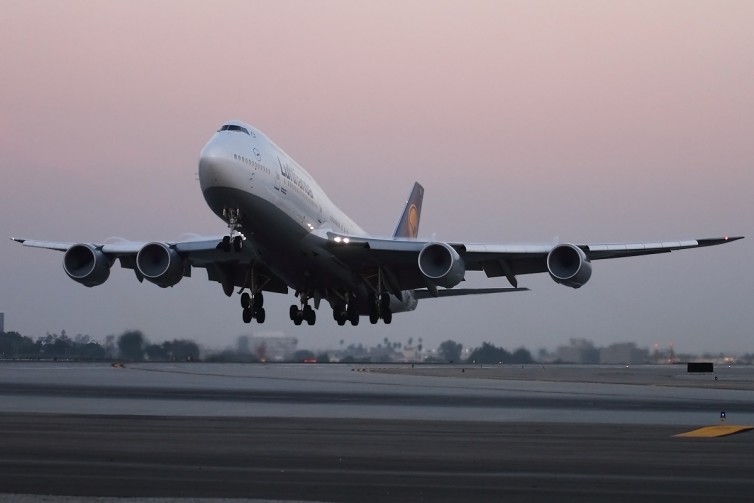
(379, 307)
(252, 307)
(305, 313)
(342, 313)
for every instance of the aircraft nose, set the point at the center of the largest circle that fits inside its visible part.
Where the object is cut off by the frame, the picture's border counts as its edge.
(213, 165)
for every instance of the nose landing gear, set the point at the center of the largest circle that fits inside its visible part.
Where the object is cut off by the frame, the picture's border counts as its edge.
(234, 241)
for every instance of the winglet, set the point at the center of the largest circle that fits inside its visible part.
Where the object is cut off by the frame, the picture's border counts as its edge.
(408, 224)
(718, 241)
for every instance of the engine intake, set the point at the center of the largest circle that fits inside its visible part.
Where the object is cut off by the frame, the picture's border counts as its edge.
(441, 265)
(160, 264)
(569, 266)
(87, 265)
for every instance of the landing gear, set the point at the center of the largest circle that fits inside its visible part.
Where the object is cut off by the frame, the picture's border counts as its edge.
(252, 307)
(305, 313)
(342, 313)
(234, 241)
(352, 313)
(379, 308)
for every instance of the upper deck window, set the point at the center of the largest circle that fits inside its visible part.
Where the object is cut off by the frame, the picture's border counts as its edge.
(233, 127)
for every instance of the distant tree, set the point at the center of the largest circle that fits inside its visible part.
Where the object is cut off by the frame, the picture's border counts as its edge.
(111, 349)
(521, 355)
(450, 351)
(55, 346)
(91, 351)
(323, 358)
(488, 354)
(184, 350)
(14, 345)
(156, 353)
(131, 345)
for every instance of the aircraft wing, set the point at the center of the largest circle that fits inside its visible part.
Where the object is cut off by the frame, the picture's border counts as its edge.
(228, 267)
(399, 258)
(424, 293)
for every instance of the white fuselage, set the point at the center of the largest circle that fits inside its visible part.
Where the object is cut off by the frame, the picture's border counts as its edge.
(283, 213)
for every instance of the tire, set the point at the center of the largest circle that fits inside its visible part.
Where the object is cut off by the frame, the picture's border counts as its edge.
(238, 243)
(385, 301)
(245, 300)
(260, 315)
(247, 315)
(258, 301)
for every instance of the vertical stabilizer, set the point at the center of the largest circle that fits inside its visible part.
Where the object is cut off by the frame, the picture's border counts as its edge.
(408, 224)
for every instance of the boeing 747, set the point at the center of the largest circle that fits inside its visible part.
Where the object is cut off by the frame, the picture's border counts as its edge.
(284, 234)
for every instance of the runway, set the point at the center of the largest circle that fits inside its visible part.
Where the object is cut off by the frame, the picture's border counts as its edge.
(335, 433)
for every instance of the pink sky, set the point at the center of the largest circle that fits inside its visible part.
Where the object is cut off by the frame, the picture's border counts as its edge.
(525, 121)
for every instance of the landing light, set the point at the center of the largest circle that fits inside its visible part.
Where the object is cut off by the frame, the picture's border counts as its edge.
(346, 240)
(337, 239)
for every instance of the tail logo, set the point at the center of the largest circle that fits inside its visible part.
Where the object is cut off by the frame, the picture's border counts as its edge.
(413, 221)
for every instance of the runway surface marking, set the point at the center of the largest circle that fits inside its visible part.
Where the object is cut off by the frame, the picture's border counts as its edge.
(722, 430)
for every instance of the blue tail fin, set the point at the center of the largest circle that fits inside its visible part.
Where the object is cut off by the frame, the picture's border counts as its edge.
(408, 224)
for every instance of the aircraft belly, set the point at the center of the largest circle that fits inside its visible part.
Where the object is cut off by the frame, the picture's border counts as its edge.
(287, 249)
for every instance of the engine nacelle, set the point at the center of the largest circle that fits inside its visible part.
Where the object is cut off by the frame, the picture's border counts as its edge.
(569, 266)
(160, 264)
(441, 265)
(87, 265)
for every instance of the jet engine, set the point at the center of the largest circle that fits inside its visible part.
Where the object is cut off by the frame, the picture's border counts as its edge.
(160, 264)
(569, 266)
(441, 265)
(87, 265)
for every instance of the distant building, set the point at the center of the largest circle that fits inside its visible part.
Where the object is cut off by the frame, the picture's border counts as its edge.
(2, 322)
(271, 347)
(623, 353)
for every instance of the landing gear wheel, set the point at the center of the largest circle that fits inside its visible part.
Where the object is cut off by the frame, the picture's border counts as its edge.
(247, 315)
(260, 315)
(238, 243)
(310, 315)
(293, 312)
(374, 317)
(387, 317)
(226, 243)
(245, 300)
(258, 300)
(385, 302)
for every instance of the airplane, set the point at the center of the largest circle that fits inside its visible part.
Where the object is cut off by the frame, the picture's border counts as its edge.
(285, 234)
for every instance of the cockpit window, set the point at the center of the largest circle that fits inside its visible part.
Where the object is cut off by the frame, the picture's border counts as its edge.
(233, 127)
